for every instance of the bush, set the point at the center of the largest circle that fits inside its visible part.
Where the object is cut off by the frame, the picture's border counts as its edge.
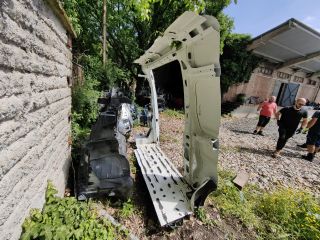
(231, 201)
(84, 102)
(65, 218)
(291, 213)
(84, 112)
(241, 98)
(282, 214)
(237, 63)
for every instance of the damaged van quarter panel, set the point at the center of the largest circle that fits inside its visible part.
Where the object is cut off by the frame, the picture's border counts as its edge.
(192, 41)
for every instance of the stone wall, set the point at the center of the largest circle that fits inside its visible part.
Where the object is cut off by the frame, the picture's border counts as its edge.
(35, 105)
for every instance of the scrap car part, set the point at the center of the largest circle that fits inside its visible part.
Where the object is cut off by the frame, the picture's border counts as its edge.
(192, 41)
(103, 168)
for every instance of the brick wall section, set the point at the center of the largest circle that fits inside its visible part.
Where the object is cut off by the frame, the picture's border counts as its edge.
(35, 102)
(260, 85)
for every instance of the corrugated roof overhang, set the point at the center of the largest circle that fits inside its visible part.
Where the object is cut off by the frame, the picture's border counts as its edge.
(291, 44)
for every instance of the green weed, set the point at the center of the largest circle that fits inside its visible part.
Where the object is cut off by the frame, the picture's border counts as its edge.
(200, 214)
(282, 214)
(291, 213)
(66, 218)
(174, 113)
(127, 209)
(133, 163)
(136, 123)
(231, 201)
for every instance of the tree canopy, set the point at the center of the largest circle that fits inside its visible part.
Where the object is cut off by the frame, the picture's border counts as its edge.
(132, 27)
(237, 63)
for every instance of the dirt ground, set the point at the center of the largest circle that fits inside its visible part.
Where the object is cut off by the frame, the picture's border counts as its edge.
(143, 223)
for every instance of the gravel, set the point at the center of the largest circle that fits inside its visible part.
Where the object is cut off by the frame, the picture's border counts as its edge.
(242, 150)
(239, 150)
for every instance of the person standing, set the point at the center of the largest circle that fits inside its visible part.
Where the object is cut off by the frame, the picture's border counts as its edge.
(267, 108)
(289, 122)
(313, 137)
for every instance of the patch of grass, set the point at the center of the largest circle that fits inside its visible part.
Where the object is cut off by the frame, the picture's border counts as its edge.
(201, 214)
(168, 138)
(133, 163)
(127, 209)
(136, 123)
(282, 214)
(175, 140)
(174, 113)
(231, 201)
(230, 149)
(291, 213)
(165, 138)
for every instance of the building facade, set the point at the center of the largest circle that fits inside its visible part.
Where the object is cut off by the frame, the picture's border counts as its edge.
(266, 81)
(291, 68)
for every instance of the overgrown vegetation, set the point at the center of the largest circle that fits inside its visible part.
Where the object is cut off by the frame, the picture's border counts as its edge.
(127, 209)
(174, 113)
(66, 218)
(84, 112)
(282, 214)
(132, 27)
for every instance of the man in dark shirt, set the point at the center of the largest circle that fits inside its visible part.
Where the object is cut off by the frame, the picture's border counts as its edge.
(313, 136)
(289, 121)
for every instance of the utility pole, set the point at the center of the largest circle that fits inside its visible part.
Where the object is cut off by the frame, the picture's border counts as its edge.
(104, 32)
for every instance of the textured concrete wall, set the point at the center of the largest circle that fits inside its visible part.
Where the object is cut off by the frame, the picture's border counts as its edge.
(35, 102)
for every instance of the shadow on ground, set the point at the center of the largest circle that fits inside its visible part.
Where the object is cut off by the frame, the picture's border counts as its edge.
(242, 131)
(268, 152)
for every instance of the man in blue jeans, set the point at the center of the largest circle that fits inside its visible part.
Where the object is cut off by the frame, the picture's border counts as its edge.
(289, 121)
(313, 137)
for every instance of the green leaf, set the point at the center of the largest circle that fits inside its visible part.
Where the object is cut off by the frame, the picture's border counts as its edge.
(78, 233)
(47, 232)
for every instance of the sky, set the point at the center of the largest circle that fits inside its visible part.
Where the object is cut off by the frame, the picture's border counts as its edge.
(255, 17)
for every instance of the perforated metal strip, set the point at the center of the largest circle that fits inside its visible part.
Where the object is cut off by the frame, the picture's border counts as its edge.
(167, 187)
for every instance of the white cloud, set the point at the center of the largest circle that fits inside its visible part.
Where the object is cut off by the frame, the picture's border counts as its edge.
(309, 19)
(313, 22)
